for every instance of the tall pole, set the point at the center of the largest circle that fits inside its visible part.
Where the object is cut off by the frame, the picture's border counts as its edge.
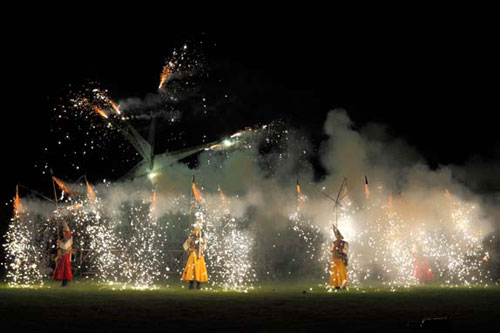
(57, 205)
(339, 198)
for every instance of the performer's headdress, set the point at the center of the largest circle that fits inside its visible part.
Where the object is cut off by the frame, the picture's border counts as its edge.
(337, 233)
(196, 231)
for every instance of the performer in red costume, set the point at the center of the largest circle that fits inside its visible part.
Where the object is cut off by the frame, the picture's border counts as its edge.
(63, 260)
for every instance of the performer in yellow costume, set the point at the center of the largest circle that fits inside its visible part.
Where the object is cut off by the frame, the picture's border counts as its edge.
(195, 270)
(338, 272)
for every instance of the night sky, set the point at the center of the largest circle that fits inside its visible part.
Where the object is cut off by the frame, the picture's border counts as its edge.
(432, 85)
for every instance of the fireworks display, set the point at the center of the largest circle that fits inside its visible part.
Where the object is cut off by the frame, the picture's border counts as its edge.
(129, 233)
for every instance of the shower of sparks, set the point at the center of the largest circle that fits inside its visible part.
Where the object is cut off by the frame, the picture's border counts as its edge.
(24, 249)
(184, 62)
(138, 242)
(129, 245)
(383, 248)
(229, 248)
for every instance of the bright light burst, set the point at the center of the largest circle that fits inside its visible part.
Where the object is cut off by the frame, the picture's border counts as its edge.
(383, 244)
(137, 243)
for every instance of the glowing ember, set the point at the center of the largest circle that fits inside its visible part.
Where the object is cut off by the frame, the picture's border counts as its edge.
(367, 191)
(166, 74)
(196, 193)
(61, 185)
(90, 192)
(115, 106)
(100, 112)
(18, 205)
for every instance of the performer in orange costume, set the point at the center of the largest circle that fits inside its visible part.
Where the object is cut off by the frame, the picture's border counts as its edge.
(195, 270)
(338, 272)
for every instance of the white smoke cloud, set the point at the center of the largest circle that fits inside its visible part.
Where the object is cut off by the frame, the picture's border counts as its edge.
(261, 187)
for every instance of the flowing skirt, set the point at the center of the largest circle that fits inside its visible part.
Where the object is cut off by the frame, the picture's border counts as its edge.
(63, 269)
(338, 274)
(195, 269)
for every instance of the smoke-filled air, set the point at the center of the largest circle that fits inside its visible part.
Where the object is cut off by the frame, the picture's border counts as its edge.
(265, 212)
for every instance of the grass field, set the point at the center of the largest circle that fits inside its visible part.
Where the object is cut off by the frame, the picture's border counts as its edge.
(87, 307)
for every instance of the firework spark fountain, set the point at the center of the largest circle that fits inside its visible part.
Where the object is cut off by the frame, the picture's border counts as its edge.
(128, 228)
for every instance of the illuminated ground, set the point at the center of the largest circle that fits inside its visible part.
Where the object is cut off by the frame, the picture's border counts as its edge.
(89, 307)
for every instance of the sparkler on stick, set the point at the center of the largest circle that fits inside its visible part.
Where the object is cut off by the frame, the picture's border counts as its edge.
(367, 189)
(90, 191)
(61, 186)
(100, 112)
(18, 205)
(165, 75)
(196, 192)
(57, 211)
(300, 197)
(115, 106)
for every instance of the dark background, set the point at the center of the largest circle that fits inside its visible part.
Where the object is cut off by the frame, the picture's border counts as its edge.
(432, 79)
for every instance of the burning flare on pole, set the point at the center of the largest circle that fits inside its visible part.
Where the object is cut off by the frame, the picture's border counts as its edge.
(196, 192)
(100, 112)
(61, 185)
(300, 197)
(90, 192)
(154, 205)
(18, 205)
(447, 194)
(115, 106)
(166, 74)
(367, 189)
